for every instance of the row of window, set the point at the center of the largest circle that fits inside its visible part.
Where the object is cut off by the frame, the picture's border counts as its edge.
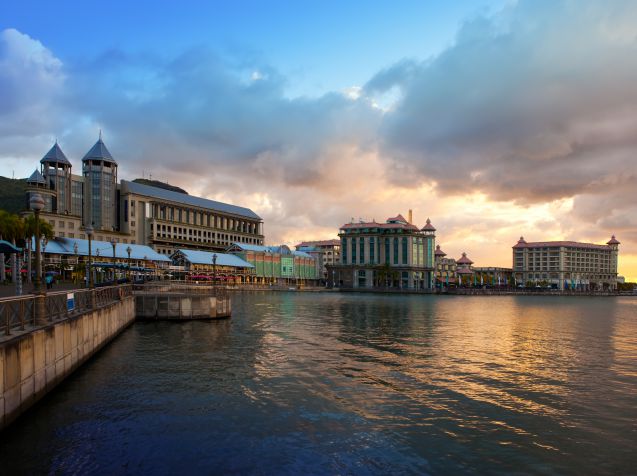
(368, 250)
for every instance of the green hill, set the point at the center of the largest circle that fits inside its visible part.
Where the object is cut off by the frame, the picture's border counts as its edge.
(158, 184)
(13, 194)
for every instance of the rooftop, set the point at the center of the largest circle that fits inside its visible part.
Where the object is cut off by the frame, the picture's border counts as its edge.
(205, 257)
(558, 244)
(99, 151)
(104, 249)
(176, 197)
(55, 155)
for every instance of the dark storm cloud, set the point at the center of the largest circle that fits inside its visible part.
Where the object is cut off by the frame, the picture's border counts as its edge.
(534, 104)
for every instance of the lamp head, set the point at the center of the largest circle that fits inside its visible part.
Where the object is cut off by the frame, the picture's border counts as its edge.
(36, 202)
(89, 231)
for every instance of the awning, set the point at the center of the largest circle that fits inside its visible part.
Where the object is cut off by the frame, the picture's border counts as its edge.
(8, 248)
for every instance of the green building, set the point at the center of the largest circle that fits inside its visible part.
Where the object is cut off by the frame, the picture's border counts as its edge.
(277, 264)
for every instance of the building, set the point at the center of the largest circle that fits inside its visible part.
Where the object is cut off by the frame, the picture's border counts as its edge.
(277, 264)
(325, 252)
(133, 213)
(68, 257)
(209, 266)
(445, 269)
(168, 220)
(566, 264)
(395, 254)
(494, 276)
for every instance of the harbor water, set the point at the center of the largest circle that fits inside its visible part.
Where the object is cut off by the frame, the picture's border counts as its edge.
(336, 383)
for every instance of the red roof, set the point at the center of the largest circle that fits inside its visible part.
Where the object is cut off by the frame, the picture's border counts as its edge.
(553, 244)
(397, 218)
(428, 226)
(407, 226)
(464, 271)
(439, 252)
(464, 259)
(613, 241)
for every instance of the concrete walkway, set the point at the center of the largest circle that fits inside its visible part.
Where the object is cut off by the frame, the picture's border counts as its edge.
(8, 290)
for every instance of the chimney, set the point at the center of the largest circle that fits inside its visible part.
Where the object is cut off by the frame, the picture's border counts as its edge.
(410, 216)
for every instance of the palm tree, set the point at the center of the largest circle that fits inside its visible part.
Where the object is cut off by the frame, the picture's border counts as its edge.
(46, 231)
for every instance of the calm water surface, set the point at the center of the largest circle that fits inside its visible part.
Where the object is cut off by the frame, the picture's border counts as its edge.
(304, 383)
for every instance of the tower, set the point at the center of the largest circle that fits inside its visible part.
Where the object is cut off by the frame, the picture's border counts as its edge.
(100, 188)
(56, 171)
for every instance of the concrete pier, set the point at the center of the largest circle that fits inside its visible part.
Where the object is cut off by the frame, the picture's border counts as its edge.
(33, 362)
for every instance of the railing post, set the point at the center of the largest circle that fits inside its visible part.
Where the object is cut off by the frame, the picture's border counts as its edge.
(21, 314)
(40, 310)
(7, 320)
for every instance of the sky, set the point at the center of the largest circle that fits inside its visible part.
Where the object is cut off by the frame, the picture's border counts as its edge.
(495, 119)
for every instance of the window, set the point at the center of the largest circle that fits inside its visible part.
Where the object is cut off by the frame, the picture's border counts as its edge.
(395, 250)
(371, 250)
(344, 250)
(405, 251)
(361, 258)
(353, 250)
(71, 225)
(387, 250)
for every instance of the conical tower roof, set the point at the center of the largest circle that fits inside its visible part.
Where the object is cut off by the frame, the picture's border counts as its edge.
(99, 152)
(464, 260)
(36, 177)
(428, 226)
(613, 241)
(439, 252)
(55, 155)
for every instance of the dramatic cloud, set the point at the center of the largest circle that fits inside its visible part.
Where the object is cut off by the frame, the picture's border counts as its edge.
(527, 124)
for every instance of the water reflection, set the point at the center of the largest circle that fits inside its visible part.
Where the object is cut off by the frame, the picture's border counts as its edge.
(336, 383)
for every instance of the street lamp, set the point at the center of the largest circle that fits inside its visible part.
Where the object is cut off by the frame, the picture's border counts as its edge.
(113, 243)
(37, 204)
(214, 269)
(89, 233)
(44, 243)
(77, 261)
(128, 250)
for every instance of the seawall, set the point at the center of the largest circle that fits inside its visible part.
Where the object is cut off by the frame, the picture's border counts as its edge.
(32, 363)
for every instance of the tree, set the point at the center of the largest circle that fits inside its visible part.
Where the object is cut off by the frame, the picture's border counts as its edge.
(46, 231)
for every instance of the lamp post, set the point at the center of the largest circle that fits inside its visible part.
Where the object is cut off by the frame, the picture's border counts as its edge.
(113, 243)
(214, 269)
(77, 260)
(128, 250)
(89, 233)
(42, 250)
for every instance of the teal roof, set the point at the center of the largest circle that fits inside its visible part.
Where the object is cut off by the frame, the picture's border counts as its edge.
(66, 246)
(205, 257)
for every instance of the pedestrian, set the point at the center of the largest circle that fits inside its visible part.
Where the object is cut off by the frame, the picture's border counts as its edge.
(49, 281)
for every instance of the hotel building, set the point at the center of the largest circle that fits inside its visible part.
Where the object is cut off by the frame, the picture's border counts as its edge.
(130, 212)
(394, 254)
(567, 264)
(325, 252)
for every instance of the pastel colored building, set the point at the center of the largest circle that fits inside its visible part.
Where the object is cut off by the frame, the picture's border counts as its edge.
(391, 255)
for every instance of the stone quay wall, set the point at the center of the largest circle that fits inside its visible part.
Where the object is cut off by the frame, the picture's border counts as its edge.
(34, 362)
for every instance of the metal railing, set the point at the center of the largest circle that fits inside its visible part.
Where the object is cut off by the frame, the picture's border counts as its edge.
(17, 313)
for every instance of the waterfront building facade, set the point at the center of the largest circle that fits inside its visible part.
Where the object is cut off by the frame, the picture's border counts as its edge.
(395, 254)
(196, 265)
(494, 276)
(133, 213)
(324, 252)
(445, 269)
(567, 264)
(277, 264)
